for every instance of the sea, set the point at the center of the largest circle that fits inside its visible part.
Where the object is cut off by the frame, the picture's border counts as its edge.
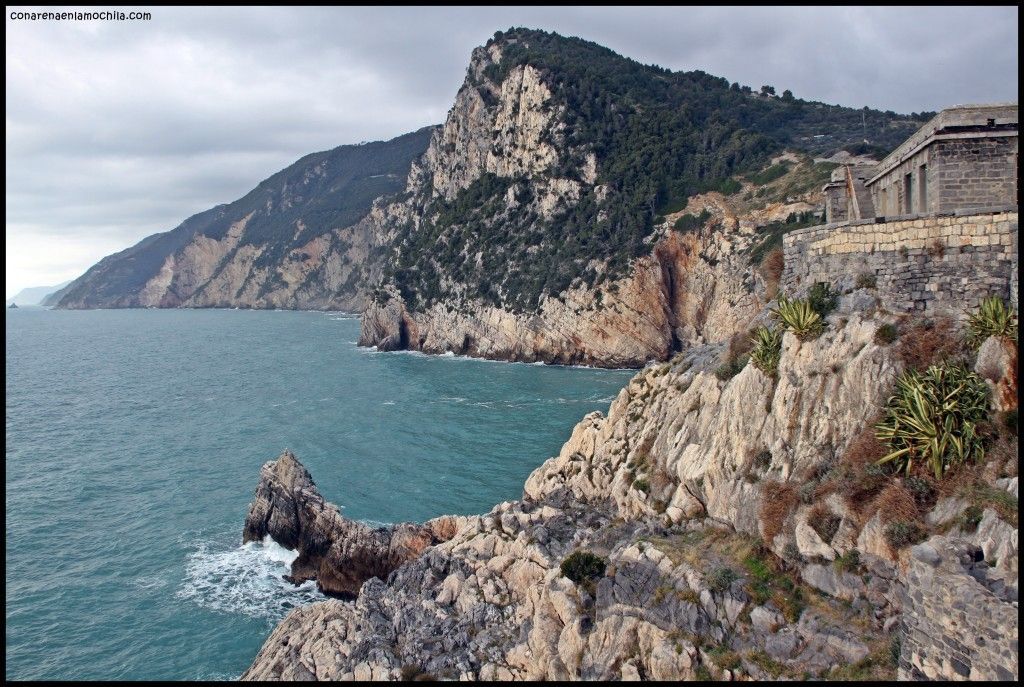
(134, 444)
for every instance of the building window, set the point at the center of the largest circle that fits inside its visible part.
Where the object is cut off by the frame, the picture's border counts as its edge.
(922, 188)
(907, 194)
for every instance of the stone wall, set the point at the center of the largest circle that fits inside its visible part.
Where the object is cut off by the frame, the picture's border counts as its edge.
(954, 626)
(935, 264)
(953, 172)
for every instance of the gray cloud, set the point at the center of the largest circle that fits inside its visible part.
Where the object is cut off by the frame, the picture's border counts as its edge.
(116, 130)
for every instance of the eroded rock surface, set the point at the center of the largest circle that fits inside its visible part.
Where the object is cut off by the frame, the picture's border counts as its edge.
(339, 553)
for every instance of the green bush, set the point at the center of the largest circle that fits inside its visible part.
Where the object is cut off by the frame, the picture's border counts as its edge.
(720, 579)
(886, 334)
(800, 318)
(920, 488)
(823, 299)
(767, 349)
(969, 520)
(731, 368)
(691, 222)
(866, 280)
(581, 566)
(729, 187)
(848, 562)
(901, 533)
(993, 318)
(933, 416)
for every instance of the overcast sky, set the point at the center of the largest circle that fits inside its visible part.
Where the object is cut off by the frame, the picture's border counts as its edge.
(117, 130)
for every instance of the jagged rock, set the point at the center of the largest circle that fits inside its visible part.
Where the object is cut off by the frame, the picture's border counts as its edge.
(945, 510)
(997, 363)
(340, 554)
(492, 602)
(827, 579)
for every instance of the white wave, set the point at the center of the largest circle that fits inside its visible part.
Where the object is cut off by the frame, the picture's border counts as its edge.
(376, 524)
(246, 579)
(388, 403)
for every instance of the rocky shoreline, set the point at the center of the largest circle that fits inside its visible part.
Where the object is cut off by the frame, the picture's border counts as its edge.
(700, 578)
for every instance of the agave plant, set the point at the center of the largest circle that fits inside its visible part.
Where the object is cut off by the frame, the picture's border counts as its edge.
(993, 318)
(800, 318)
(767, 349)
(933, 417)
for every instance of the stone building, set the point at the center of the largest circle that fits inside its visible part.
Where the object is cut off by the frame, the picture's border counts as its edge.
(965, 158)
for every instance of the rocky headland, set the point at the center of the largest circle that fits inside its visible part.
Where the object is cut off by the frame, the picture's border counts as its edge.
(718, 523)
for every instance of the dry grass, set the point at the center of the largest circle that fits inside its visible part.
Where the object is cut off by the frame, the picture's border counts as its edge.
(771, 269)
(824, 522)
(777, 501)
(895, 503)
(740, 344)
(859, 478)
(927, 342)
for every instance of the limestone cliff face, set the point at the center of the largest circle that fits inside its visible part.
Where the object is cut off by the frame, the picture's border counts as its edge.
(670, 489)
(693, 288)
(305, 238)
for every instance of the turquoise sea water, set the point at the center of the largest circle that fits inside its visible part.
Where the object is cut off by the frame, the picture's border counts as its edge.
(134, 441)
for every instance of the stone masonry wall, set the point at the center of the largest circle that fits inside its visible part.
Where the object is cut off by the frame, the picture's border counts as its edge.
(954, 626)
(934, 264)
(972, 173)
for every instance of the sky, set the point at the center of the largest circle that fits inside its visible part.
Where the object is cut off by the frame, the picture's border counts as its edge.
(121, 129)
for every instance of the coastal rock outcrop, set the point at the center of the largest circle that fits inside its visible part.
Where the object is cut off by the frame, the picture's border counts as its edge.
(733, 541)
(339, 553)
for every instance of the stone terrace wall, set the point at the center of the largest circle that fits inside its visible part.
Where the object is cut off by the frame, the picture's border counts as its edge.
(954, 627)
(935, 264)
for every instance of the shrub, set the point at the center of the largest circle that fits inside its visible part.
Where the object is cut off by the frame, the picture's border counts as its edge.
(886, 334)
(896, 503)
(933, 416)
(993, 318)
(413, 673)
(720, 579)
(729, 187)
(777, 501)
(928, 342)
(969, 520)
(691, 222)
(763, 460)
(848, 562)
(767, 349)
(581, 566)
(866, 280)
(823, 299)
(824, 522)
(1009, 421)
(730, 369)
(920, 488)
(772, 266)
(900, 533)
(642, 484)
(800, 318)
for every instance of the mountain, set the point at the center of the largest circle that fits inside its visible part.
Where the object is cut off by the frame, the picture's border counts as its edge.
(539, 224)
(298, 240)
(575, 207)
(35, 295)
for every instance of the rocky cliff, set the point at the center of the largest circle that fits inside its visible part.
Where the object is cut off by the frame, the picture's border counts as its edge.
(708, 527)
(304, 238)
(540, 223)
